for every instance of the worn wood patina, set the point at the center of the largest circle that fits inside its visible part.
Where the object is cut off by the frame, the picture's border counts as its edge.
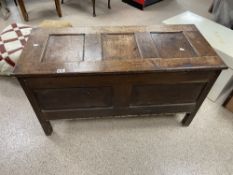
(110, 71)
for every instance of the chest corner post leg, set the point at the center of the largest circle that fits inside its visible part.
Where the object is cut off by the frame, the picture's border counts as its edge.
(190, 116)
(45, 124)
(47, 127)
(188, 119)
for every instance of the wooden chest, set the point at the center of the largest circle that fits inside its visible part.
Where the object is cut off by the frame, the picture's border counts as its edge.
(109, 71)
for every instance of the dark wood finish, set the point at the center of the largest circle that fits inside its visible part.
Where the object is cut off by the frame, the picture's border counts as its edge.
(119, 46)
(66, 98)
(157, 94)
(176, 43)
(109, 4)
(109, 71)
(190, 116)
(45, 124)
(211, 7)
(58, 7)
(24, 11)
(54, 48)
(93, 5)
(146, 46)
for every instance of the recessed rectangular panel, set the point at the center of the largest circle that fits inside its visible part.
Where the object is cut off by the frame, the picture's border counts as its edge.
(143, 95)
(173, 45)
(119, 46)
(71, 98)
(64, 48)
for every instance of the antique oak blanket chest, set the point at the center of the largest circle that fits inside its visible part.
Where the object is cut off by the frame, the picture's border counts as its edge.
(109, 71)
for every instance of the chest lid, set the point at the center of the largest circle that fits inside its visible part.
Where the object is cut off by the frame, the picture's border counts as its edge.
(116, 49)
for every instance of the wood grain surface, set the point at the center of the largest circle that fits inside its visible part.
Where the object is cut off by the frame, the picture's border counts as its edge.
(117, 49)
(110, 71)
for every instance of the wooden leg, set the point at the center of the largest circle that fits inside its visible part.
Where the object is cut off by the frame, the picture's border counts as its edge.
(190, 116)
(58, 7)
(211, 8)
(109, 4)
(23, 9)
(47, 127)
(93, 3)
(62, 1)
(188, 119)
(45, 124)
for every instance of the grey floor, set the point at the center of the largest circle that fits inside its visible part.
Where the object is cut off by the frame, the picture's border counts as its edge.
(79, 12)
(150, 145)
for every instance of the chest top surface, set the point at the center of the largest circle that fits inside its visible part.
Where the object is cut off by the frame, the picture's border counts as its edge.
(116, 49)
